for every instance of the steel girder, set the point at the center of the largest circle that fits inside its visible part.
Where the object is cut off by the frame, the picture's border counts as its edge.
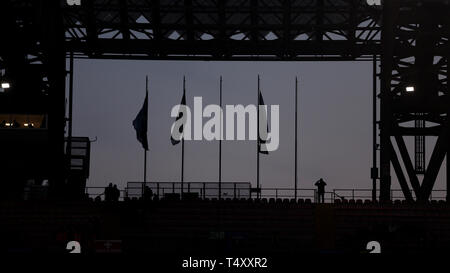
(414, 49)
(32, 55)
(415, 56)
(223, 30)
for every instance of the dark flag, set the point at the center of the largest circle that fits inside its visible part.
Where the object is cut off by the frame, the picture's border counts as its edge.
(180, 116)
(140, 124)
(264, 113)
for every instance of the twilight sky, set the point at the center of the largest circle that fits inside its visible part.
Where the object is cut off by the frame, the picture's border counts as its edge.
(335, 121)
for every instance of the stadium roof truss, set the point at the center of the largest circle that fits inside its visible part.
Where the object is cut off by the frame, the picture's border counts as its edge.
(410, 37)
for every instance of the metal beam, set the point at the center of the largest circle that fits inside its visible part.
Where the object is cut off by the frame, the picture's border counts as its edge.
(189, 20)
(124, 24)
(300, 28)
(390, 15)
(207, 50)
(408, 164)
(91, 27)
(400, 176)
(53, 43)
(434, 166)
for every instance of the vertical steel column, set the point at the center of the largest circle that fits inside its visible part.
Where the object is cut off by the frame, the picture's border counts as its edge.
(374, 173)
(69, 138)
(448, 169)
(296, 141)
(220, 139)
(390, 10)
(54, 52)
(419, 147)
(448, 112)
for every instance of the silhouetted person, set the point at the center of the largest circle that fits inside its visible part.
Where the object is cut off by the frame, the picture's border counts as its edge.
(148, 193)
(15, 124)
(320, 190)
(3, 124)
(109, 193)
(115, 193)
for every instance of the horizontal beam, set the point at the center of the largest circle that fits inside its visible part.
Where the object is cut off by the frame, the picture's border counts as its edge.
(235, 30)
(222, 50)
(411, 131)
(413, 104)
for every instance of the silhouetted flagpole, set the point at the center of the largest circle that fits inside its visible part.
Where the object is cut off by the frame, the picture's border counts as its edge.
(182, 144)
(296, 137)
(374, 173)
(220, 142)
(257, 143)
(145, 151)
(140, 124)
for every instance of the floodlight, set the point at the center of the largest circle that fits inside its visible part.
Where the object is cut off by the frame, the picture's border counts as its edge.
(410, 89)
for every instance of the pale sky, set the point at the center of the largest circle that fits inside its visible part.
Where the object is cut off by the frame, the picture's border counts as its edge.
(335, 121)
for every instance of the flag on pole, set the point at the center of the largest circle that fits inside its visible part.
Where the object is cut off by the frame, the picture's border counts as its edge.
(263, 117)
(140, 124)
(179, 117)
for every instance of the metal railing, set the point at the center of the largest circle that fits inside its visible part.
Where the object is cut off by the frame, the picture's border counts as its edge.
(236, 190)
(99, 192)
(395, 194)
(243, 190)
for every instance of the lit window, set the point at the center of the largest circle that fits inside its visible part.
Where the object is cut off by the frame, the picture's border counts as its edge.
(410, 89)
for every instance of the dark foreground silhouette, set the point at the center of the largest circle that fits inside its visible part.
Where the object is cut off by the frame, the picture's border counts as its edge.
(226, 226)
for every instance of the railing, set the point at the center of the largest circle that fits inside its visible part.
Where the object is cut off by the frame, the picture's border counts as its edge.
(99, 193)
(201, 189)
(243, 190)
(396, 194)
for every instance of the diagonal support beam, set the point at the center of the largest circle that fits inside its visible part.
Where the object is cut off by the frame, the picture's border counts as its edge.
(400, 176)
(408, 164)
(437, 158)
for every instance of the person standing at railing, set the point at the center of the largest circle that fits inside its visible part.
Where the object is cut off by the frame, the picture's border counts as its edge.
(108, 193)
(148, 193)
(320, 184)
(115, 193)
